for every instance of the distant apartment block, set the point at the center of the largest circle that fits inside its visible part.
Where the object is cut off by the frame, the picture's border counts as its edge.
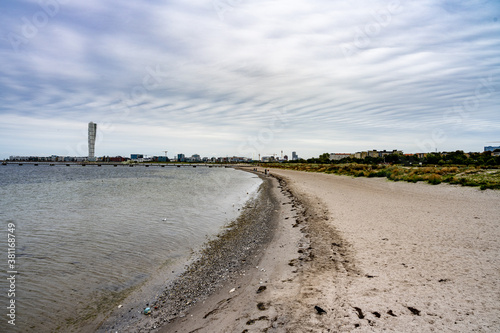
(136, 156)
(160, 159)
(267, 159)
(295, 157)
(491, 148)
(338, 156)
(385, 152)
(115, 159)
(372, 153)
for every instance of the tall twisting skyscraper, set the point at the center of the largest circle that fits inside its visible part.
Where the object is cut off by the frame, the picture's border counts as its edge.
(92, 132)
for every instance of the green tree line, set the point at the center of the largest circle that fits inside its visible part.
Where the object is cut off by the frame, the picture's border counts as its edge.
(442, 159)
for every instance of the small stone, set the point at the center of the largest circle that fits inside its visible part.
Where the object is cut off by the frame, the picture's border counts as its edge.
(319, 310)
(261, 289)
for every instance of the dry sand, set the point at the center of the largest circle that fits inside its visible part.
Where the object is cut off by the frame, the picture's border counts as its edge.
(367, 255)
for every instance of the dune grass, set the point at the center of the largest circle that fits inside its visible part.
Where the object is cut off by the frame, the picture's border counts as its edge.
(460, 175)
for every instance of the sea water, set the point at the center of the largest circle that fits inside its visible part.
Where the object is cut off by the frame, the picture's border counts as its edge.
(86, 236)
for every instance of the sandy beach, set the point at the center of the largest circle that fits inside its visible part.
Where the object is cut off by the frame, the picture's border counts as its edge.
(360, 255)
(366, 255)
(407, 258)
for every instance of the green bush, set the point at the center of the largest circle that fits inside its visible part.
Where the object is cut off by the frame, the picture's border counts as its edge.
(434, 179)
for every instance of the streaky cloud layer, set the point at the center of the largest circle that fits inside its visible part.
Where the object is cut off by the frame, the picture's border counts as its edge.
(220, 77)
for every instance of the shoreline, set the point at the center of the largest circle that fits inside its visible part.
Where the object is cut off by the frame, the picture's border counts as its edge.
(251, 302)
(360, 255)
(220, 261)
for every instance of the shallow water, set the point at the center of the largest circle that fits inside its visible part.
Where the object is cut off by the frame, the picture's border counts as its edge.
(87, 235)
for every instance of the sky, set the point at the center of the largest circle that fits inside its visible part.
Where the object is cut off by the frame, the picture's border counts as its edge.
(243, 78)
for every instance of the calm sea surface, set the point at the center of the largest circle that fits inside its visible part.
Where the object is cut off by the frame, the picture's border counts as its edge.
(86, 236)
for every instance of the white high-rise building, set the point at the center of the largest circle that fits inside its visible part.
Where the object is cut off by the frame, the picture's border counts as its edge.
(92, 133)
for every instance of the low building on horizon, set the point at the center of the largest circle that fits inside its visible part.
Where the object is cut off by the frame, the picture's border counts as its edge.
(491, 148)
(339, 156)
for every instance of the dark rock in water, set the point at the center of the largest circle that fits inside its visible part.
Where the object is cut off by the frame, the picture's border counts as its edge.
(319, 310)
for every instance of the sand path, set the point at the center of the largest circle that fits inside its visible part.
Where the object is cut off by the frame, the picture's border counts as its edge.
(367, 255)
(420, 258)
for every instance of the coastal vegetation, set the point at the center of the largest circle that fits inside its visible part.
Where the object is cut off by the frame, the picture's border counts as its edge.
(475, 169)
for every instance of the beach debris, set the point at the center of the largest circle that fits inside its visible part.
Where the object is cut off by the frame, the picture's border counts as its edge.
(164, 219)
(252, 321)
(261, 306)
(147, 311)
(119, 306)
(261, 289)
(232, 290)
(360, 313)
(414, 311)
(319, 310)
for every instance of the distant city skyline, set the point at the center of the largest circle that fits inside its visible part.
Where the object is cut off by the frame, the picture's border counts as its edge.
(249, 77)
(92, 133)
(231, 158)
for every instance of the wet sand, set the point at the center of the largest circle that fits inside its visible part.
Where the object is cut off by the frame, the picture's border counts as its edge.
(366, 255)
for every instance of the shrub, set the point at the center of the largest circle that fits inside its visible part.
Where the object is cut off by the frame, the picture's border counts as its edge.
(414, 178)
(434, 179)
